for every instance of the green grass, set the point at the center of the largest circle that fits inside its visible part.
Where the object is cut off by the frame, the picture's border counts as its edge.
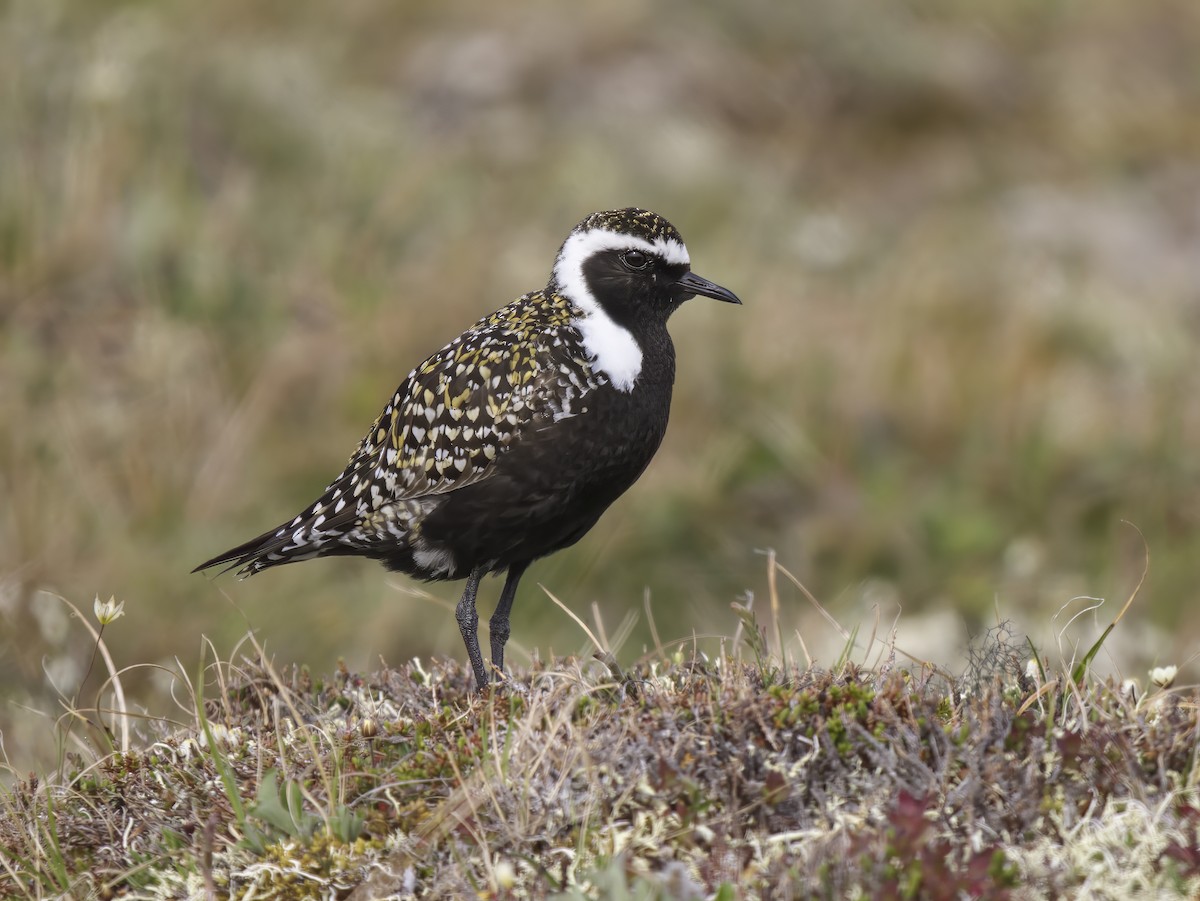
(965, 236)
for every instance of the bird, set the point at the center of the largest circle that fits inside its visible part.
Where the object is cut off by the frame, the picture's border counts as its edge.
(509, 443)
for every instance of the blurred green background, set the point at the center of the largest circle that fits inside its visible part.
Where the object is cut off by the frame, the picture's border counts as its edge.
(967, 236)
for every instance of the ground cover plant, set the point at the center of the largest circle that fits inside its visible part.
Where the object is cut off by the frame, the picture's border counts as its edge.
(733, 774)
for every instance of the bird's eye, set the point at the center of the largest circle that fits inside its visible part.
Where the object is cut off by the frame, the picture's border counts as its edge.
(635, 259)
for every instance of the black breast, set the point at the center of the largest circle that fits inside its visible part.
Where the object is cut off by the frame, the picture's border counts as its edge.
(553, 485)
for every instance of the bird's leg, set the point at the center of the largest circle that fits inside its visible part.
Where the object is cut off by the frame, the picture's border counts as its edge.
(498, 624)
(468, 625)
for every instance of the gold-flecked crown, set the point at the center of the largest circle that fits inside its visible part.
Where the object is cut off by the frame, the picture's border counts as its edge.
(633, 221)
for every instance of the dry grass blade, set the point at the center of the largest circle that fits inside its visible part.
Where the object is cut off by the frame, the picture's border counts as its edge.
(596, 643)
(1045, 689)
(849, 635)
(773, 594)
(1080, 670)
(659, 650)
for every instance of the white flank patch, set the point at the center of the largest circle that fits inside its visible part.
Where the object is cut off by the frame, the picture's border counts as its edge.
(436, 561)
(613, 350)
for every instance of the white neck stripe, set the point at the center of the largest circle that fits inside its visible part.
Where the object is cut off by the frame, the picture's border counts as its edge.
(612, 349)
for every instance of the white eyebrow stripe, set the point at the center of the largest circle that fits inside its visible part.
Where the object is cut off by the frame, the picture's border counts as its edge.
(612, 349)
(582, 245)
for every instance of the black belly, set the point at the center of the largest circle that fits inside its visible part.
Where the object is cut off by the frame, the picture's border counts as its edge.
(550, 488)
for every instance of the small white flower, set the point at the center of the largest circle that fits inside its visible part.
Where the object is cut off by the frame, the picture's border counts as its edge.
(506, 876)
(107, 611)
(225, 738)
(1163, 676)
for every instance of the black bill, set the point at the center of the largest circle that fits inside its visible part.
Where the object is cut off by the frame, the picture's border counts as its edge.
(692, 284)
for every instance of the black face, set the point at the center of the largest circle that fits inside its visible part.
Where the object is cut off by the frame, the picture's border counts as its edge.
(637, 286)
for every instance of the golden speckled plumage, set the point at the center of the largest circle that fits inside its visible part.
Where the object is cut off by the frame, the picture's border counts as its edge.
(463, 405)
(445, 427)
(459, 411)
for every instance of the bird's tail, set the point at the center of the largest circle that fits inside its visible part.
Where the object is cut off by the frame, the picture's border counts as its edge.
(324, 530)
(272, 548)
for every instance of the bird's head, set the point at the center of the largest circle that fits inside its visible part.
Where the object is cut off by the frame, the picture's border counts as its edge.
(632, 265)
